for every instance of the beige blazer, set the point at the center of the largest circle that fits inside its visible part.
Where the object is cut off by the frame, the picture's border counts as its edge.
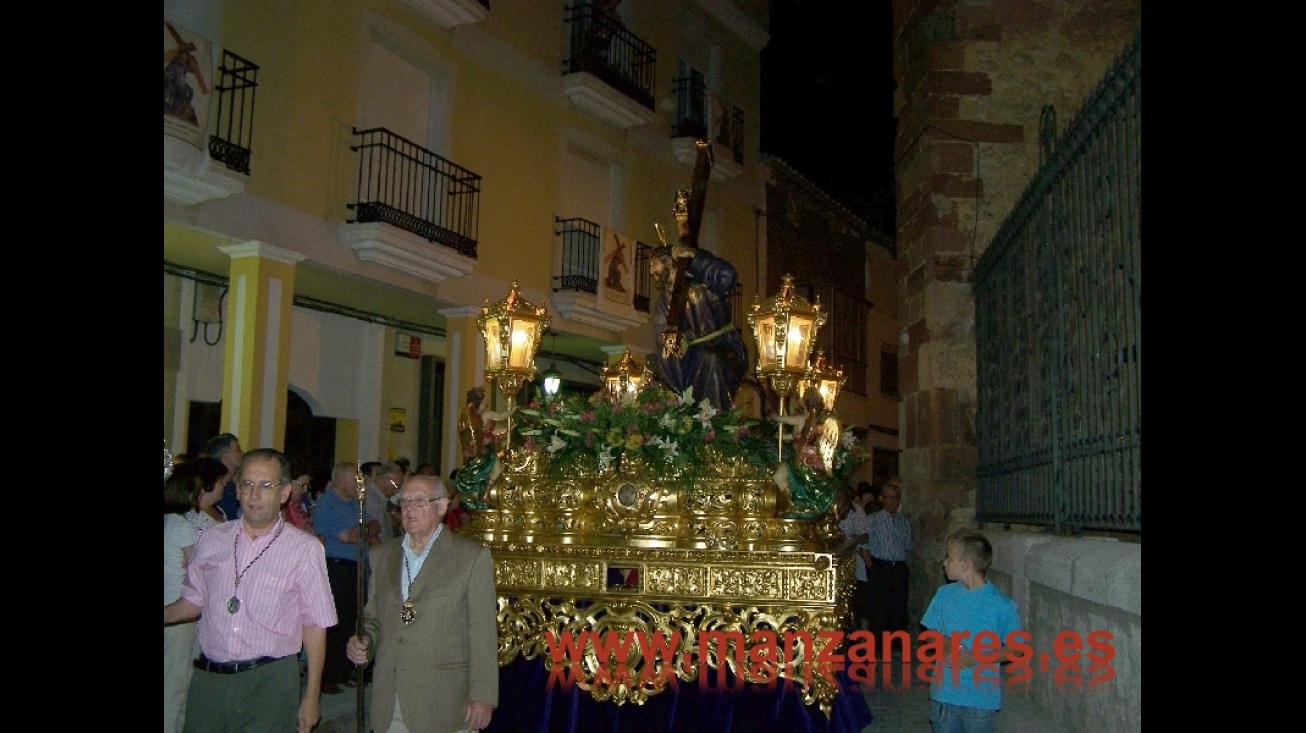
(450, 653)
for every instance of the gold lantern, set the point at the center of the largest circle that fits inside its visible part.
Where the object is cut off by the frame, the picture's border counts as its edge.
(624, 379)
(784, 328)
(827, 379)
(512, 328)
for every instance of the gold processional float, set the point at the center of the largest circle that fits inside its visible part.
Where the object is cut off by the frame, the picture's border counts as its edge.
(642, 510)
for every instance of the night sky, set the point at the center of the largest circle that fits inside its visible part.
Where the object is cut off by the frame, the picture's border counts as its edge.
(827, 98)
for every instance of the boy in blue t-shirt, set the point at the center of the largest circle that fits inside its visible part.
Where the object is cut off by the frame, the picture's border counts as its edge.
(966, 699)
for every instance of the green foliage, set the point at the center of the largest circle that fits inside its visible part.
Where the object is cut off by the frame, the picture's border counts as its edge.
(666, 430)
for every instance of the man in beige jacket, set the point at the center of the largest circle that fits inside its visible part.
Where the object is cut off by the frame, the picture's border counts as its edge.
(430, 623)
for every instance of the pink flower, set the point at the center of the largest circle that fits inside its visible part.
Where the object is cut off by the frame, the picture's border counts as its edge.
(709, 436)
(529, 443)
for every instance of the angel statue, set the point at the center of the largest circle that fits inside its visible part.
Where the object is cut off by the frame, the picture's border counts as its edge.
(807, 479)
(481, 466)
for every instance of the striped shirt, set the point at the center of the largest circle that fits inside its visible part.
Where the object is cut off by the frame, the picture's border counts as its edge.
(283, 591)
(852, 525)
(889, 536)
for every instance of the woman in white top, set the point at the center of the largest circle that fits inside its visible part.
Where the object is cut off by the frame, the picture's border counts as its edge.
(179, 494)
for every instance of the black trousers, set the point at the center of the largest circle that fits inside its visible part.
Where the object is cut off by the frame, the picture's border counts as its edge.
(343, 577)
(887, 591)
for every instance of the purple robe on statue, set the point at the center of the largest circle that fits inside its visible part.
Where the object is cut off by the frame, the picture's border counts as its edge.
(715, 357)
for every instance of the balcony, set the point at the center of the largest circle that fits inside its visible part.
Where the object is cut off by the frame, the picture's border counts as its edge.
(610, 73)
(451, 13)
(414, 210)
(703, 115)
(594, 283)
(189, 176)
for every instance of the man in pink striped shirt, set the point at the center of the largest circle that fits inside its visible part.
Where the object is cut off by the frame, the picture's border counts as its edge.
(260, 588)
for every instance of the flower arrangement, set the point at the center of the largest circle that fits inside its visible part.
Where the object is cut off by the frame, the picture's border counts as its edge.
(666, 430)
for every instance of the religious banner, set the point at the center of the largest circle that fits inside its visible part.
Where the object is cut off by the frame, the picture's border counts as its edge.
(187, 79)
(616, 286)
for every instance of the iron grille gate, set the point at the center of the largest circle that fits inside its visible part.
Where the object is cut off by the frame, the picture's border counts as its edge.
(1058, 302)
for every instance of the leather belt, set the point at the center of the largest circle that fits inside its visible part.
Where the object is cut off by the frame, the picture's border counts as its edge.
(887, 563)
(237, 667)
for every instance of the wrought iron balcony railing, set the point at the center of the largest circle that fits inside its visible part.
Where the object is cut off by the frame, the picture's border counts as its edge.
(232, 140)
(405, 185)
(580, 255)
(702, 115)
(582, 251)
(601, 45)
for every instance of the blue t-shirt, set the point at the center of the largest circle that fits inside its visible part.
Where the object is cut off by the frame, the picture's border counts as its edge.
(332, 515)
(955, 609)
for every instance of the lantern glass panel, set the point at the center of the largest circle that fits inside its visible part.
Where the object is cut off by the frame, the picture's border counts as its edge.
(493, 352)
(522, 349)
(798, 340)
(766, 344)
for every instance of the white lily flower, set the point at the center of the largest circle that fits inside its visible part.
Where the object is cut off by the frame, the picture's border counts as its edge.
(847, 439)
(667, 420)
(605, 457)
(671, 448)
(705, 413)
(556, 444)
(687, 398)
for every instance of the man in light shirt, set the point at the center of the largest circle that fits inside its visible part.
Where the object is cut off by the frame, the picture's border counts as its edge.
(261, 587)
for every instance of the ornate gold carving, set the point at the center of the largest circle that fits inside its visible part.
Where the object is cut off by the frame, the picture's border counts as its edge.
(627, 650)
(748, 583)
(810, 585)
(713, 558)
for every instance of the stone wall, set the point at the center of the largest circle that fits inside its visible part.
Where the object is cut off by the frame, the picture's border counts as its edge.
(972, 76)
(1081, 586)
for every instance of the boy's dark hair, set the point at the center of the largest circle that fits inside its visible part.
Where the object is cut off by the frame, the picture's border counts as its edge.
(975, 547)
(369, 468)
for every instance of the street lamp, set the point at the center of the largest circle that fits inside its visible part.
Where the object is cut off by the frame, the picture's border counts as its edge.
(624, 379)
(552, 380)
(784, 328)
(512, 329)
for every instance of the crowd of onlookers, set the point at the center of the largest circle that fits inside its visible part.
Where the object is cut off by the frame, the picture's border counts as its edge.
(201, 492)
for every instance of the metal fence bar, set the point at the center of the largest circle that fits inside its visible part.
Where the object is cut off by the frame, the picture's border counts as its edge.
(1058, 298)
(405, 185)
(643, 278)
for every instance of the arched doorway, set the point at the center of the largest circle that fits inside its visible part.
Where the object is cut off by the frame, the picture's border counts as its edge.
(310, 441)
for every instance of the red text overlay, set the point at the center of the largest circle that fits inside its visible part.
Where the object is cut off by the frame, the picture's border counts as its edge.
(764, 658)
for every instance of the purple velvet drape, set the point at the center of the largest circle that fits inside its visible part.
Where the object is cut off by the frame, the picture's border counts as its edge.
(529, 704)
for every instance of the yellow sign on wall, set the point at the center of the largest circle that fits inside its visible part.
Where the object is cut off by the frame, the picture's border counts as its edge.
(397, 417)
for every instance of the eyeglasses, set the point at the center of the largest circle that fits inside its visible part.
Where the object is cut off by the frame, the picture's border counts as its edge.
(263, 486)
(421, 502)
